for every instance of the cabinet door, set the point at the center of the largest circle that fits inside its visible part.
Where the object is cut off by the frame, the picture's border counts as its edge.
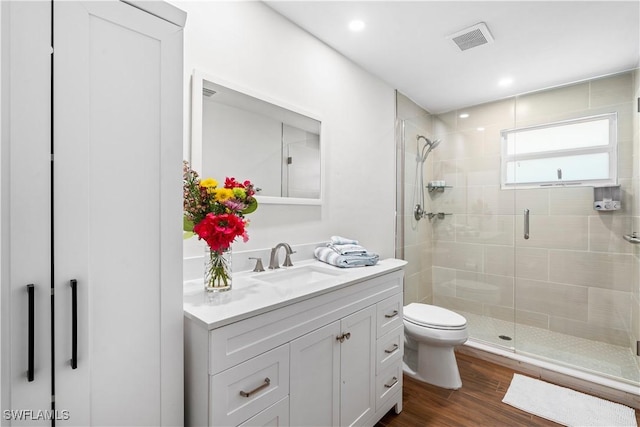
(315, 378)
(117, 203)
(26, 200)
(357, 367)
(275, 416)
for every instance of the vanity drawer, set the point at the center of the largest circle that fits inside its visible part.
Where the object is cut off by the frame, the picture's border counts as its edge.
(275, 416)
(241, 392)
(389, 314)
(387, 384)
(389, 349)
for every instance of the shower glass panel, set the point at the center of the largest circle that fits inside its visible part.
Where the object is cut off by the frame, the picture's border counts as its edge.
(576, 277)
(474, 247)
(473, 243)
(416, 234)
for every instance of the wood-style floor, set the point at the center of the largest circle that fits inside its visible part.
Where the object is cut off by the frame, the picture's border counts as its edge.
(477, 403)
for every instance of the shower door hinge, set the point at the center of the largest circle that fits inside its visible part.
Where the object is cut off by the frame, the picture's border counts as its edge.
(289, 160)
(637, 348)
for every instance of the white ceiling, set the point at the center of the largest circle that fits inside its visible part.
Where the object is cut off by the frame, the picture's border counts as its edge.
(539, 44)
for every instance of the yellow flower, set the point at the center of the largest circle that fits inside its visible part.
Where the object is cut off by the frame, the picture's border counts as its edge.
(223, 194)
(209, 183)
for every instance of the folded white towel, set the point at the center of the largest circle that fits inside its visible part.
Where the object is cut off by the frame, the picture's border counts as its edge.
(348, 249)
(338, 240)
(328, 255)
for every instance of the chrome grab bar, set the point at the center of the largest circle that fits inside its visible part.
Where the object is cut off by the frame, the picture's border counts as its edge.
(526, 224)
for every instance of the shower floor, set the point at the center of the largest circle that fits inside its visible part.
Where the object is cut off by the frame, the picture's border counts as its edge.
(593, 356)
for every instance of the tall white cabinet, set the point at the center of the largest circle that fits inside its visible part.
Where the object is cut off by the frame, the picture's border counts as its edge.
(97, 134)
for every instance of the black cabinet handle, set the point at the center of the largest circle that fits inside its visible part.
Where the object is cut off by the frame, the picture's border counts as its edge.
(74, 323)
(31, 339)
(394, 314)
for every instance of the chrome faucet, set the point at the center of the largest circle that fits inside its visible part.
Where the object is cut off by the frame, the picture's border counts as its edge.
(273, 261)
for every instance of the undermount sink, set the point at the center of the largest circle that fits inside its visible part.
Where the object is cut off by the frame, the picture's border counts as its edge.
(304, 274)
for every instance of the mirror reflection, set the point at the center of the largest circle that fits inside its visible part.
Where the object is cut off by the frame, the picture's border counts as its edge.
(274, 147)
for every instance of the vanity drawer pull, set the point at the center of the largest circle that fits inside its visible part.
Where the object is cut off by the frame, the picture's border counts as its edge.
(394, 381)
(266, 383)
(394, 314)
(393, 349)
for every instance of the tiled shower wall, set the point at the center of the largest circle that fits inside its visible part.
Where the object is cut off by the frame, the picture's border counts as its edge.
(576, 274)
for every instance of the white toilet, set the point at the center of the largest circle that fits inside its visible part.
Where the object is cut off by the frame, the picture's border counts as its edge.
(431, 333)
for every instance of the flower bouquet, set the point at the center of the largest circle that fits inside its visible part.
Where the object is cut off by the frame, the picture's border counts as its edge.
(216, 215)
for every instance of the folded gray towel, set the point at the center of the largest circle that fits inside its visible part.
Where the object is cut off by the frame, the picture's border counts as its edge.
(328, 255)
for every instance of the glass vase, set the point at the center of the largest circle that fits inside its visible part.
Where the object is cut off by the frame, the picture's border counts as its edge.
(217, 270)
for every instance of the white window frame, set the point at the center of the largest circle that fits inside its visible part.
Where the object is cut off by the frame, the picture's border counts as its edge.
(611, 148)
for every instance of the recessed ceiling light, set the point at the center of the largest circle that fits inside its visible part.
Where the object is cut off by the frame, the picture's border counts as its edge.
(479, 129)
(356, 25)
(464, 115)
(507, 81)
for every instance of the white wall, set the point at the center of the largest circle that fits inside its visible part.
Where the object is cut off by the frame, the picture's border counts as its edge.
(250, 45)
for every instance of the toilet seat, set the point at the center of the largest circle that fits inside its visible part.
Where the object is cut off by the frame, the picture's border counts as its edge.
(431, 316)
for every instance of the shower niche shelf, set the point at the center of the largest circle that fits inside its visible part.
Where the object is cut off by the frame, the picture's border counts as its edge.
(437, 186)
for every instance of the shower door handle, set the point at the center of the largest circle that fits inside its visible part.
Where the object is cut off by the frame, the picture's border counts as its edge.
(526, 224)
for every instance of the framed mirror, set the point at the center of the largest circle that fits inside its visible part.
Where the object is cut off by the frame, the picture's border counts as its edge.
(244, 135)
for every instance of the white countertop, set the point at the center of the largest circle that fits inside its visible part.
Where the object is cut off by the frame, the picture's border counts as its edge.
(252, 294)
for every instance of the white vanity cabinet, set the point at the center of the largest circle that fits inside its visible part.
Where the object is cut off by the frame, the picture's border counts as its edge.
(331, 359)
(333, 372)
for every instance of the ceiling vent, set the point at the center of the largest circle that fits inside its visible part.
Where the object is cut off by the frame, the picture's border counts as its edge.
(476, 35)
(208, 92)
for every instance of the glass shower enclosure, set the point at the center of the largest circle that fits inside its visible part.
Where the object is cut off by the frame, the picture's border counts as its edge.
(535, 202)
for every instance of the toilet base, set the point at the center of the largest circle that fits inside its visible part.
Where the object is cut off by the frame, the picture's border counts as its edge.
(433, 365)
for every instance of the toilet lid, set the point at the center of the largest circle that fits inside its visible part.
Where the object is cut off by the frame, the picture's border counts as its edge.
(431, 315)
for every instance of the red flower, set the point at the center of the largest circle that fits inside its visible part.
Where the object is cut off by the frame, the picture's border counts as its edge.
(232, 183)
(219, 231)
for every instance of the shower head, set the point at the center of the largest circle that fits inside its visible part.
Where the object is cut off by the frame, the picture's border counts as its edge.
(426, 148)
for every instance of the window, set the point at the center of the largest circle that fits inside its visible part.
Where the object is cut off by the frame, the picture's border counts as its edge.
(573, 152)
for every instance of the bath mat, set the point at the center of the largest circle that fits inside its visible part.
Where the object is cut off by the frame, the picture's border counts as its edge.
(565, 406)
